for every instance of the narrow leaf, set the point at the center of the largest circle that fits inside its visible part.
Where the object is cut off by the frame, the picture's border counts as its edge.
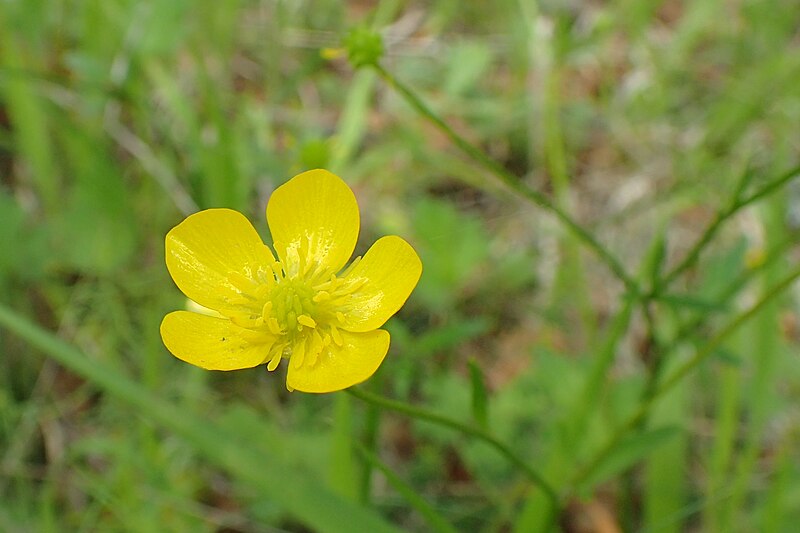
(480, 411)
(413, 498)
(629, 452)
(294, 489)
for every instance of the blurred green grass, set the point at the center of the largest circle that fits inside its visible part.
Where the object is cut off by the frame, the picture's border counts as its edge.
(118, 118)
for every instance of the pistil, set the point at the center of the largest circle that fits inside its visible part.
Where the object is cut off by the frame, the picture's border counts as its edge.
(304, 307)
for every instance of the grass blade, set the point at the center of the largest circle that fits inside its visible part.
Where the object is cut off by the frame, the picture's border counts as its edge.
(299, 494)
(416, 501)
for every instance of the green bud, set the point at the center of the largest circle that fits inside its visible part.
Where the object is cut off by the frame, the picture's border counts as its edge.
(364, 47)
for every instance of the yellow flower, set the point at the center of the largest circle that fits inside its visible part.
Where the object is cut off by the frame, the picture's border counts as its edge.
(302, 306)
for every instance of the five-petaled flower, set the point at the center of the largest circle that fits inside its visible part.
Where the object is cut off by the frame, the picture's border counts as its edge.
(302, 307)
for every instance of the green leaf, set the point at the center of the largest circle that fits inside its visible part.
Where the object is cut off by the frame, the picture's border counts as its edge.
(480, 411)
(720, 269)
(250, 462)
(467, 66)
(29, 113)
(453, 247)
(653, 261)
(692, 303)
(450, 335)
(629, 452)
(405, 490)
(96, 229)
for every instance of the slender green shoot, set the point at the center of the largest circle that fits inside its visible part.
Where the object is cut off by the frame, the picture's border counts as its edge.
(421, 414)
(511, 181)
(737, 203)
(702, 353)
(434, 519)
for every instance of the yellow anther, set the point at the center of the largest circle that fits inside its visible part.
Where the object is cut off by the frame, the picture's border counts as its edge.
(350, 287)
(340, 317)
(266, 311)
(274, 327)
(316, 345)
(321, 296)
(337, 337)
(307, 321)
(323, 286)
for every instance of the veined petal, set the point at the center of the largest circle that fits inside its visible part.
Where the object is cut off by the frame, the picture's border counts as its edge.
(339, 367)
(211, 343)
(215, 256)
(392, 269)
(314, 215)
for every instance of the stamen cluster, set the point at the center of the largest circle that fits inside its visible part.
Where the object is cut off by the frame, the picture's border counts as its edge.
(299, 306)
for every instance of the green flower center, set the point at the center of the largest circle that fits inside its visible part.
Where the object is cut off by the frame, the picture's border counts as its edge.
(290, 307)
(302, 309)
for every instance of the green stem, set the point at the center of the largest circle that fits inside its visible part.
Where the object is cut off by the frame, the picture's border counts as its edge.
(297, 491)
(737, 203)
(700, 355)
(692, 327)
(511, 181)
(592, 387)
(658, 356)
(421, 414)
(434, 519)
(370, 444)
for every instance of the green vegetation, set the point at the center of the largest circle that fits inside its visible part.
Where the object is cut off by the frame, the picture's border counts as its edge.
(604, 197)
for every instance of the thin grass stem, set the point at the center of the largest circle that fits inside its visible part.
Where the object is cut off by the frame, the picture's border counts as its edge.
(511, 181)
(435, 418)
(737, 203)
(700, 355)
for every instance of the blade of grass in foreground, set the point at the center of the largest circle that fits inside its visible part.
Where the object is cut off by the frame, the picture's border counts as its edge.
(27, 113)
(345, 473)
(298, 493)
(763, 345)
(435, 521)
(678, 375)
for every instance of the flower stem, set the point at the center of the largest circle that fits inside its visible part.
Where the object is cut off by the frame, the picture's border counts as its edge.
(435, 418)
(737, 203)
(699, 356)
(511, 181)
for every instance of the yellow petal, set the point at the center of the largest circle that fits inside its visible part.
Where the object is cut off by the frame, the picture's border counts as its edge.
(209, 342)
(389, 272)
(314, 215)
(339, 367)
(214, 256)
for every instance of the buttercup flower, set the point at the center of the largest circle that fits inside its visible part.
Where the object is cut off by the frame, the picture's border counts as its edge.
(301, 306)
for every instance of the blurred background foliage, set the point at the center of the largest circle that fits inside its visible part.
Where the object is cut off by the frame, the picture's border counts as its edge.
(118, 118)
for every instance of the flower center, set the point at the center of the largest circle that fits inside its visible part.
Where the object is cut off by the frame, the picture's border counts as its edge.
(302, 308)
(290, 308)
